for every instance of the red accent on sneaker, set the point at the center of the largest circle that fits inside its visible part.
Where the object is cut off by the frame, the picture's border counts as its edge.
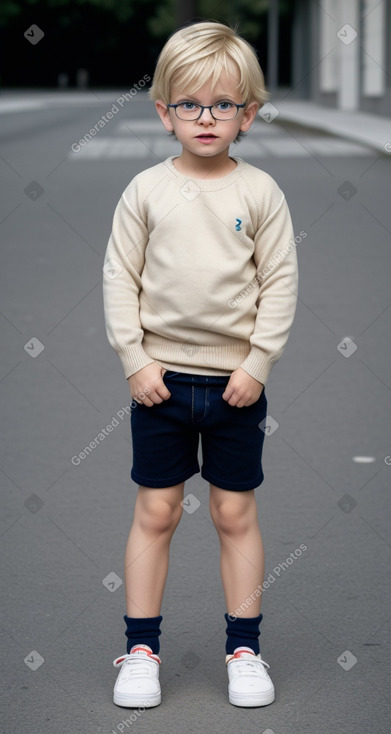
(239, 652)
(149, 653)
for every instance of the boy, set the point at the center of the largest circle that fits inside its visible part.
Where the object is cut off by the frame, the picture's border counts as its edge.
(200, 294)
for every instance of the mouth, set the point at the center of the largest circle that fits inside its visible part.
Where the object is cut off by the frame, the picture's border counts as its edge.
(206, 137)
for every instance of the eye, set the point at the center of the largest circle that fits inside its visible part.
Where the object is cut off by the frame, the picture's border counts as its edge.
(188, 106)
(225, 106)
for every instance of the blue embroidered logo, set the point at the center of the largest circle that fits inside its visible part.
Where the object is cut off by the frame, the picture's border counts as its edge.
(238, 223)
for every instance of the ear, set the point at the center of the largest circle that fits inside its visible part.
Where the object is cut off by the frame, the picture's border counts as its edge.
(164, 114)
(249, 116)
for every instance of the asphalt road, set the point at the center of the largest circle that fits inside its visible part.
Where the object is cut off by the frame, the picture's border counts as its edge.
(64, 523)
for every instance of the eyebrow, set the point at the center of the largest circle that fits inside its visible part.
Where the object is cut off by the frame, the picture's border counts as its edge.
(192, 98)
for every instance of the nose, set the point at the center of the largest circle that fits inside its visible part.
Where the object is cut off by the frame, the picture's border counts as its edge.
(209, 117)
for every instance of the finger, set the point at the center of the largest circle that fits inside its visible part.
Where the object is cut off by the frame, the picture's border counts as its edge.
(155, 397)
(148, 402)
(158, 394)
(233, 400)
(140, 398)
(162, 391)
(228, 392)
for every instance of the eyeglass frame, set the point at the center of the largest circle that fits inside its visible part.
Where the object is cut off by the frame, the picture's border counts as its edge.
(207, 107)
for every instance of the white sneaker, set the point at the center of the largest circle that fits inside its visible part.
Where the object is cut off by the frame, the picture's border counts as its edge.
(138, 684)
(249, 681)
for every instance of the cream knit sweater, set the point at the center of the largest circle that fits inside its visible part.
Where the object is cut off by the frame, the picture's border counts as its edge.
(200, 275)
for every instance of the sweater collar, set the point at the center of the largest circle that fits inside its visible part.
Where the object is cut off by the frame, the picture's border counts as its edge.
(211, 184)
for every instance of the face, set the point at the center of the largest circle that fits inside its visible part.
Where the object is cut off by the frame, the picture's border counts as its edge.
(207, 137)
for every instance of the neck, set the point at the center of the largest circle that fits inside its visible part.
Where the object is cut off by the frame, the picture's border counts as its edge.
(214, 167)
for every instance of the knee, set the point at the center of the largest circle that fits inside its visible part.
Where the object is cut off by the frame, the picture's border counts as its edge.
(230, 517)
(157, 515)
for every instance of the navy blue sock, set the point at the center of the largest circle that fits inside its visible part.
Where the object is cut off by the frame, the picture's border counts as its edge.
(143, 631)
(242, 631)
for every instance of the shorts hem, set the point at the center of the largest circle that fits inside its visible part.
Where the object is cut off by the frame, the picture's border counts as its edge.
(162, 483)
(233, 487)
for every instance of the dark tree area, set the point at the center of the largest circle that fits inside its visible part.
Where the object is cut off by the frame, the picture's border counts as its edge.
(116, 47)
(116, 41)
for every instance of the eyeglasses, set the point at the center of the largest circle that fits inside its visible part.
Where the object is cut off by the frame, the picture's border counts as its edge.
(219, 111)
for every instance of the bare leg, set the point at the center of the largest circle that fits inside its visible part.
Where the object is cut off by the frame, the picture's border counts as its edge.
(156, 515)
(235, 517)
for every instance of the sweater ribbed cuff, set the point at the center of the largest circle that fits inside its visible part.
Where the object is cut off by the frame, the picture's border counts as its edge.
(258, 364)
(133, 359)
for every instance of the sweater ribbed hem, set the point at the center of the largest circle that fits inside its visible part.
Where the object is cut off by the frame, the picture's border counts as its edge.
(207, 360)
(195, 359)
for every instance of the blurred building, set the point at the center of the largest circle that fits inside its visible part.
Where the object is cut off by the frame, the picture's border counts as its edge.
(340, 54)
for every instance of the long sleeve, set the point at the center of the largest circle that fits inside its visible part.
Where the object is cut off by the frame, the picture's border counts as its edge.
(276, 262)
(123, 265)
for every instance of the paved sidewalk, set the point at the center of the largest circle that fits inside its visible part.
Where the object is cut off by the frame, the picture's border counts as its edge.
(372, 130)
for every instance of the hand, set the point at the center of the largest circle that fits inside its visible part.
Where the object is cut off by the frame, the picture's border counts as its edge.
(242, 389)
(147, 386)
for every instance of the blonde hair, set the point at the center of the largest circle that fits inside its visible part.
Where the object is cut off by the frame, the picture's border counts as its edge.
(198, 53)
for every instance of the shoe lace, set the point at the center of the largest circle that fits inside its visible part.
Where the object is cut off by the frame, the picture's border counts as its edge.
(251, 667)
(132, 662)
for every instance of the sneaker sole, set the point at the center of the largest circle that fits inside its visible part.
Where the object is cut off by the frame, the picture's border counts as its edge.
(146, 701)
(248, 699)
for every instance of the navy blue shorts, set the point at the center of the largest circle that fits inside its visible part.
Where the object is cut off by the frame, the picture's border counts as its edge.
(165, 436)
